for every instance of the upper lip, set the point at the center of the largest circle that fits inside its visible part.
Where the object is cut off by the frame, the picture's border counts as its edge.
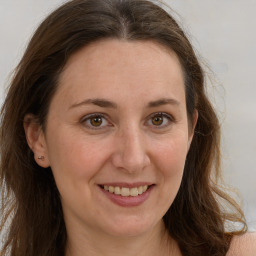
(126, 184)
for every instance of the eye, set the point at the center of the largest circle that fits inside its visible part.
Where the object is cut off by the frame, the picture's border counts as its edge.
(160, 120)
(95, 121)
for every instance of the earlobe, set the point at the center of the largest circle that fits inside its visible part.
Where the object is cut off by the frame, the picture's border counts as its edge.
(36, 140)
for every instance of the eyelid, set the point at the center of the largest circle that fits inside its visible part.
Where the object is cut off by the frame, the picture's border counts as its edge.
(89, 116)
(170, 118)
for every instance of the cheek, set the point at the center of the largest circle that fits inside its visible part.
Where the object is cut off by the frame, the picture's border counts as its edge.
(75, 163)
(169, 165)
(172, 152)
(74, 157)
(171, 157)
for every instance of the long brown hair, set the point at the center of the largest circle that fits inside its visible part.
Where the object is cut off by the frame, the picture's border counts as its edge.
(30, 200)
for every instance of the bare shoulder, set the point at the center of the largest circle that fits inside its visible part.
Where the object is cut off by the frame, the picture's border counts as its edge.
(244, 245)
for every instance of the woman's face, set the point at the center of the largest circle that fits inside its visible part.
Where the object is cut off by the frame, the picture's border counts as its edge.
(117, 136)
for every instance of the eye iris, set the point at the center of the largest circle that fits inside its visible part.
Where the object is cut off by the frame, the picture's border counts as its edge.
(157, 120)
(96, 121)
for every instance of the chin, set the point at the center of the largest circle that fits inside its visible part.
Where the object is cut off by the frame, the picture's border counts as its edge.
(130, 228)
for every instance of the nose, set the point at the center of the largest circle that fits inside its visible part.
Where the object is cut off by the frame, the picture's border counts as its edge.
(131, 154)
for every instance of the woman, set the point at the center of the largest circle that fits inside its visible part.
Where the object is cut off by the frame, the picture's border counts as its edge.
(109, 145)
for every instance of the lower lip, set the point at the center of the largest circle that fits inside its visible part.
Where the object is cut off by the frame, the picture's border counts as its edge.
(128, 201)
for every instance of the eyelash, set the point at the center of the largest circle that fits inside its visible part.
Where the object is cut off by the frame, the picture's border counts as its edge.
(163, 115)
(89, 118)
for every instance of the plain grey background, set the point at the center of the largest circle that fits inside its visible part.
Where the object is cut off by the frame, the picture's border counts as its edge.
(224, 36)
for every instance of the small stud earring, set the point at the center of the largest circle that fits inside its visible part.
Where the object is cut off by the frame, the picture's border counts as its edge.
(41, 157)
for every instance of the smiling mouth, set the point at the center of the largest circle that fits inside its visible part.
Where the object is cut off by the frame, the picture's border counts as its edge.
(124, 191)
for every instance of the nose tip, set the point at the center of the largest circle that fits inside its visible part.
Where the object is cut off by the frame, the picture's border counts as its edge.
(131, 154)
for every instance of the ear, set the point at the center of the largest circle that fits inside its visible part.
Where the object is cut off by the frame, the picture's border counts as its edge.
(192, 127)
(36, 140)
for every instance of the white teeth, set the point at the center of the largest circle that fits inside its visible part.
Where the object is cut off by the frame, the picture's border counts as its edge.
(117, 191)
(111, 189)
(134, 192)
(123, 191)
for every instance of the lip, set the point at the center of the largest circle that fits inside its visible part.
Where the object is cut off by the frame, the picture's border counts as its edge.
(128, 201)
(126, 185)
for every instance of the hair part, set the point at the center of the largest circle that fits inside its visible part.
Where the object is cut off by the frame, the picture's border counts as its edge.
(29, 193)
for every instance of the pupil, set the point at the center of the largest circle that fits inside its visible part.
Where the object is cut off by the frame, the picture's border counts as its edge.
(157, 120)
(96, 121)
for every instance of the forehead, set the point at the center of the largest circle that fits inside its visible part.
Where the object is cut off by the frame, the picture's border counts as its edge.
(109, 67)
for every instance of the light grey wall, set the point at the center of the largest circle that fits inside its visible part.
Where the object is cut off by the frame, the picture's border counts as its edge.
(223, 32)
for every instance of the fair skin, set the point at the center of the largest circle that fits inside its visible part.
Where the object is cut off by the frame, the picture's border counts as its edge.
(118, 121)
(244, 245)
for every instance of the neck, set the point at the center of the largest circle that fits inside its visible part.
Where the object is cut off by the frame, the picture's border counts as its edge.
(155, 242)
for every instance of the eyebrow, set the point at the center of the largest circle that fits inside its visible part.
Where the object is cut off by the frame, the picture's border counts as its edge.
(109, 104)
(163, 101)
(98, 102)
